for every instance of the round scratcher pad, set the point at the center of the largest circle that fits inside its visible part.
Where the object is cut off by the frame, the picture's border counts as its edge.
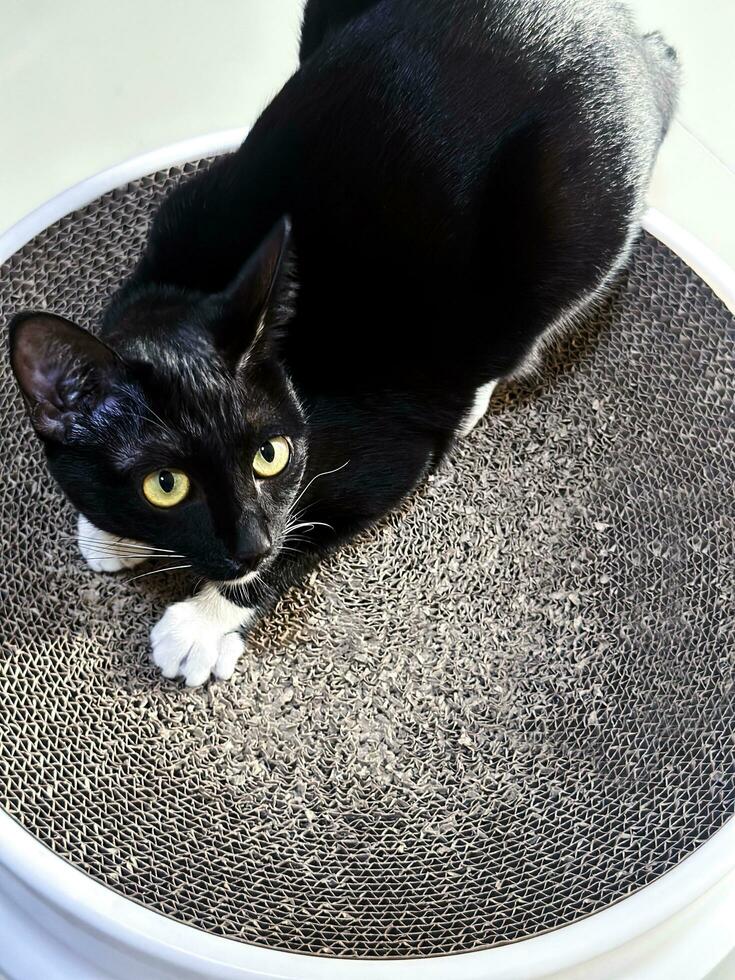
(505, 708)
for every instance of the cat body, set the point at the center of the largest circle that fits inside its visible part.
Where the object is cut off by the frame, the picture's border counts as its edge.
(440, 186)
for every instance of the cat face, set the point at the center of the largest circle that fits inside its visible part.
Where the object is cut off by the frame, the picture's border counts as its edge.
(181, 430)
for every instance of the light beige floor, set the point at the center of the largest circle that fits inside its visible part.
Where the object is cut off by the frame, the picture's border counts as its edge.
(85, 84)
(694, 181)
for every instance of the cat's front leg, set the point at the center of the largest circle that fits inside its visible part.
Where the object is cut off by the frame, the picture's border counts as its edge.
(104, 552)
(200, 637)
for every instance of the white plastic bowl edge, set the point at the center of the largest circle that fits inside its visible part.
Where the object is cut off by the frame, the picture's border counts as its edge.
(56, 923)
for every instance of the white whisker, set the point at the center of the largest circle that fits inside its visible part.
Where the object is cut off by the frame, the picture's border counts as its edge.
(310, 525)
(123, 543)
(126, 546)
(325, 473)
(159, 571)
(100, 548)
(156, 415)
(140, 544)
(102, 555)
(155, 421)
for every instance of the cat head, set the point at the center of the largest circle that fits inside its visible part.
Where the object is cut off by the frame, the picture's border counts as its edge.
(181, 429)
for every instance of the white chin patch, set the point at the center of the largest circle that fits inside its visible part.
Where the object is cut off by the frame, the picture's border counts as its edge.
(104, 552)
(199, 638)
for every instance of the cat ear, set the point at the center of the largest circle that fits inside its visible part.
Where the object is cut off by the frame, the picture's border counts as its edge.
(259, 300)
(62, 370)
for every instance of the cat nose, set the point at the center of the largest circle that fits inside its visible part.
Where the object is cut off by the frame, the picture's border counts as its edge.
(251, 547)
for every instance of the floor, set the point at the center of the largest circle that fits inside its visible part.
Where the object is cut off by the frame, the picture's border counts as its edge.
(86, 85)
(694, 181)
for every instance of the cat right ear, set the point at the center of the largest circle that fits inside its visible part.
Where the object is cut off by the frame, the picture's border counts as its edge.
(258, 303)
(62, 370)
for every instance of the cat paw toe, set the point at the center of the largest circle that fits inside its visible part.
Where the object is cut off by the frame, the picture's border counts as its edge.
(230, 650)
(104, 552)
(106, 564)
(193, 642)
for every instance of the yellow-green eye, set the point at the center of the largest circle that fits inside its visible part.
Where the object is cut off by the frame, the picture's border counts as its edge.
(272, 457)
(166, 488)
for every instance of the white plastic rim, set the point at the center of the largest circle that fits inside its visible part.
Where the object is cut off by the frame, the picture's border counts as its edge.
(52, 913)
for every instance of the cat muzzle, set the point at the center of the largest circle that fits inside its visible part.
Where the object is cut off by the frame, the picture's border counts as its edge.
(252, 547)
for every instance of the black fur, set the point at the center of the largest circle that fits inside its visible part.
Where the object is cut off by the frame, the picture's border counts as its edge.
(455, 187)
(324, 17)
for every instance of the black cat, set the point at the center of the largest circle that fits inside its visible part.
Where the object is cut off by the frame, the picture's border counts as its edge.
(316, 317)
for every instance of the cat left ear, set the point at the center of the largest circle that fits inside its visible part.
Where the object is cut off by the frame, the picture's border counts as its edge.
(259, 300)
(63, 371)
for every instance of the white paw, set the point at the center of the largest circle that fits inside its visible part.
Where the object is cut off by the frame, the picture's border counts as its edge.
(104, 552)
(198, 638)
(477, 410)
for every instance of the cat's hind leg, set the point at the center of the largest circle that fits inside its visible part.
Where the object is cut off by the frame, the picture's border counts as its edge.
(105, 552)
(478, 408)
